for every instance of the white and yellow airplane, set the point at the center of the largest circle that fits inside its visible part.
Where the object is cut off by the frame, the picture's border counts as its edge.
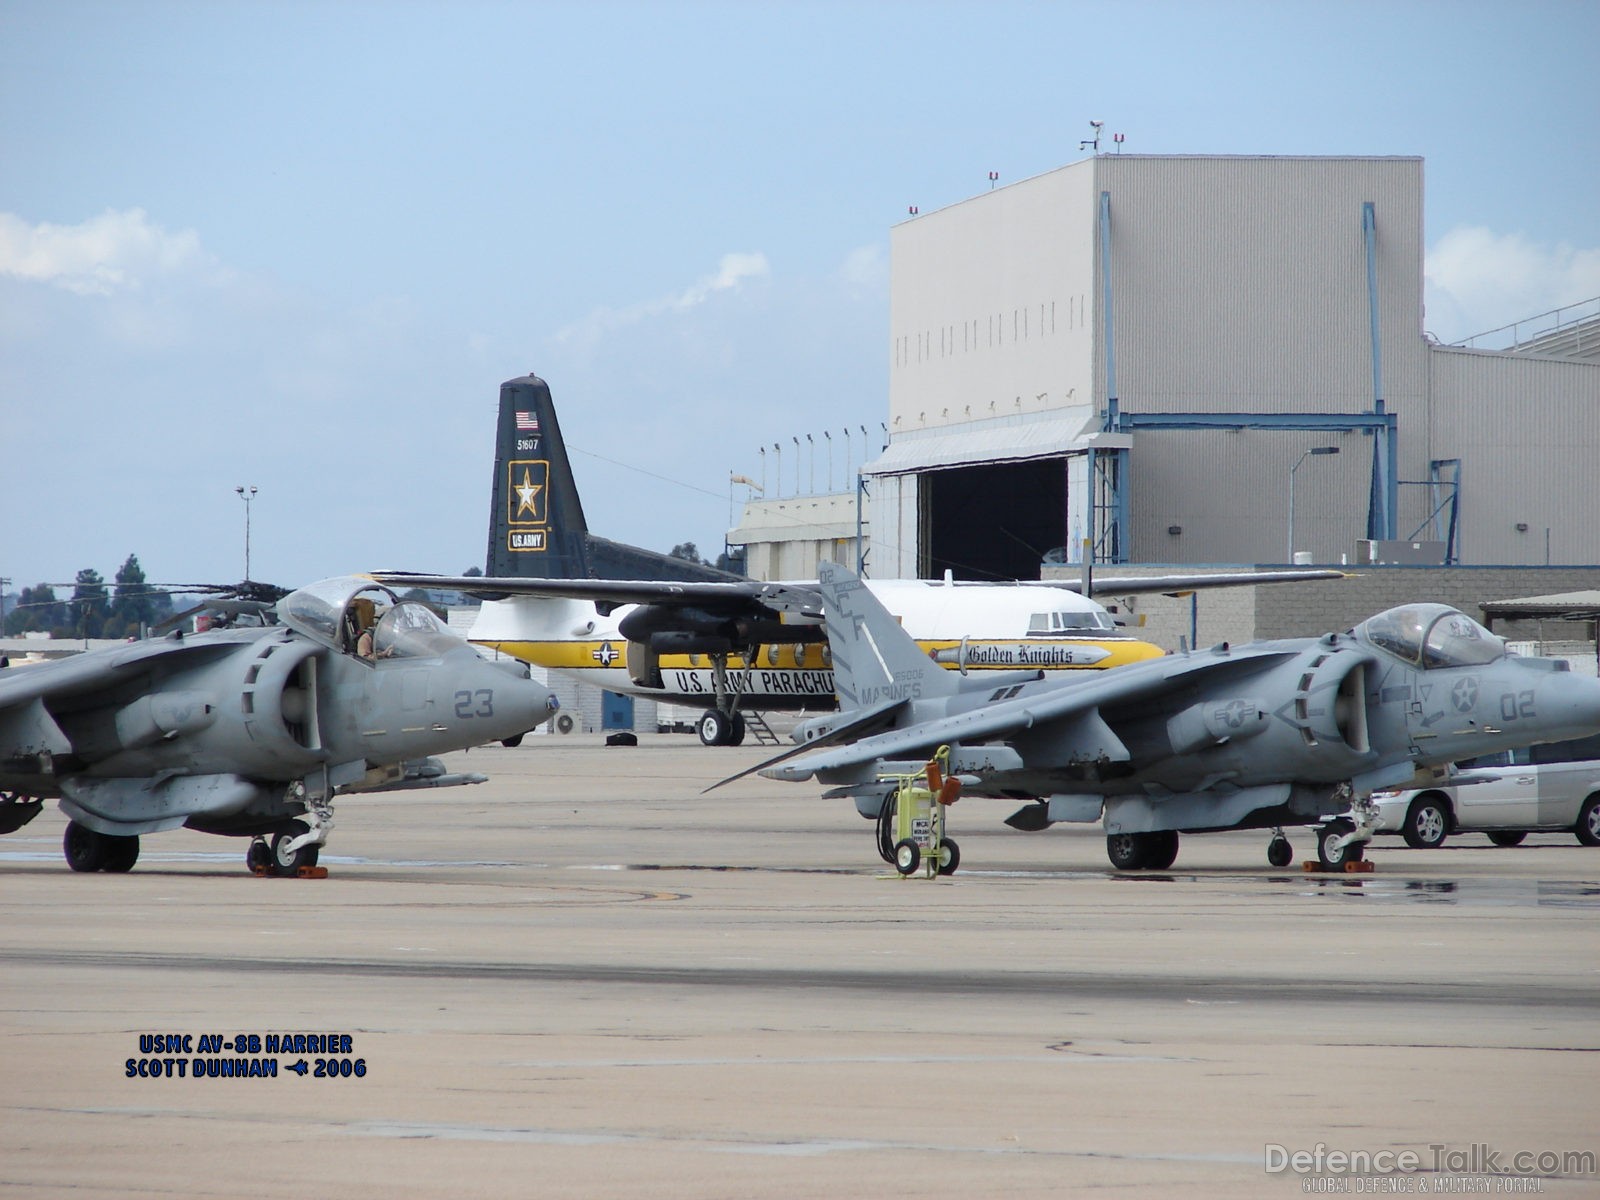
(644, 624)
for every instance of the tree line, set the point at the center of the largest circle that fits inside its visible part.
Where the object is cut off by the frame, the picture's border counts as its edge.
(93, 610)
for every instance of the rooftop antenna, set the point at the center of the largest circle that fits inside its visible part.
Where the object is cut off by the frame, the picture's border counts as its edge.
(1094, 142)
(1118, 139)
(994, 178)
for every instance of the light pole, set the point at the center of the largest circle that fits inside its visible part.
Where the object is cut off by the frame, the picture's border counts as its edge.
(246, 494)
(1289, 558)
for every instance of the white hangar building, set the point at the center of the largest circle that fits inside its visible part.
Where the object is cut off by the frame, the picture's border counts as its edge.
(1161, 355)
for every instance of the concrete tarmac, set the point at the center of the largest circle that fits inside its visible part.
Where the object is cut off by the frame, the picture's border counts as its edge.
(587, 979)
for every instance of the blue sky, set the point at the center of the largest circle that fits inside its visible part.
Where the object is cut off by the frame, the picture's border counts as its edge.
(299, 245)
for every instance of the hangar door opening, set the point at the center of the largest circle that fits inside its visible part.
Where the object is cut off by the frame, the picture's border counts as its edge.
(995, 521)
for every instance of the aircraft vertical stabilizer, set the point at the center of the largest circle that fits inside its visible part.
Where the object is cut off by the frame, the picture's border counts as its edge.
(874, 659)
(537, 529)
(536, 524)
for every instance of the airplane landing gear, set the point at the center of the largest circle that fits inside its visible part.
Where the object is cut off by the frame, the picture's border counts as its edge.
(293, 849)
(1337, 845)
(1142, 851)
(718, 728)
(1279, 852)
(87, 850)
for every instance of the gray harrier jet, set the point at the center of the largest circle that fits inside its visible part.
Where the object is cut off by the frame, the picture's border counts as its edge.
(1257, 736)
(252, 731)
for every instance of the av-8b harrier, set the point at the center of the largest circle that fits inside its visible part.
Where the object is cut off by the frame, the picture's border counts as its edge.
(1258, 736)
(251, 732)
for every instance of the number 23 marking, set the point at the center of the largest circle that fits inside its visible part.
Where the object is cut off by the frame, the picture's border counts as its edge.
(475, 704)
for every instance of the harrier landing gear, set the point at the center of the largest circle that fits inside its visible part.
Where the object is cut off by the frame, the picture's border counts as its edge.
(87, 850)
(1143, 851)
(294, 849)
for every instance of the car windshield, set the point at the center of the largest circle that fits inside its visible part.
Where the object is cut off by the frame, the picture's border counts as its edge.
(1432, 635)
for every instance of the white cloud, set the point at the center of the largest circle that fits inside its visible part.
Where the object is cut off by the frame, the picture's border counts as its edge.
(732, 272)
(114, 252)
(1477, 280)
(866, 269)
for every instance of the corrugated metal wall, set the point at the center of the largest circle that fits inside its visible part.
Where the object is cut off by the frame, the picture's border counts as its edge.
(1240, 285)
(1527, 431)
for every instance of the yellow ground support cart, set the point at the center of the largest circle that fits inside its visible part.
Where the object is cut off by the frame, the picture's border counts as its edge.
(919, 804)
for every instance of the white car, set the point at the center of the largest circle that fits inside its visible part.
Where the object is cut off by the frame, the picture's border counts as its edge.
(1541, 788)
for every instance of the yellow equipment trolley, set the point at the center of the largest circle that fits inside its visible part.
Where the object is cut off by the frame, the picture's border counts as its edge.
(918, 806)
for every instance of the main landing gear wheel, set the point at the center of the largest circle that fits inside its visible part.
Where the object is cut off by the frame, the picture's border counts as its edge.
(85, 849)
(1335, 859)
(1279, 852)
(1143, 851)
(907, 856)
(121, 854)
(717, 728)
(1427, 821)
(289, 862)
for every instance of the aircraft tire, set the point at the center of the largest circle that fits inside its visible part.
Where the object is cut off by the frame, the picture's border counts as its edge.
(121, 854)
(258, 858)
(885, 837)
(1335, 859)
(736, 733)
(907, 856)
(1588, 827)
(714, 727)
(1126, 851)
(1427, 823)
(287, 863)
(85, 849)
(949, 857)
(1279, 852)
(1508, 839)
(1161, 851)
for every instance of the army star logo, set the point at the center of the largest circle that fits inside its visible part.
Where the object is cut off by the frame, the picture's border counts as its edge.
(527, 494)
(606, 655)
(1464, 695)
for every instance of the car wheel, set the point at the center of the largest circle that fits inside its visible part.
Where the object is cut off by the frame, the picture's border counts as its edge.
(1427, 822)
(1588, 827)
(1506, 838)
